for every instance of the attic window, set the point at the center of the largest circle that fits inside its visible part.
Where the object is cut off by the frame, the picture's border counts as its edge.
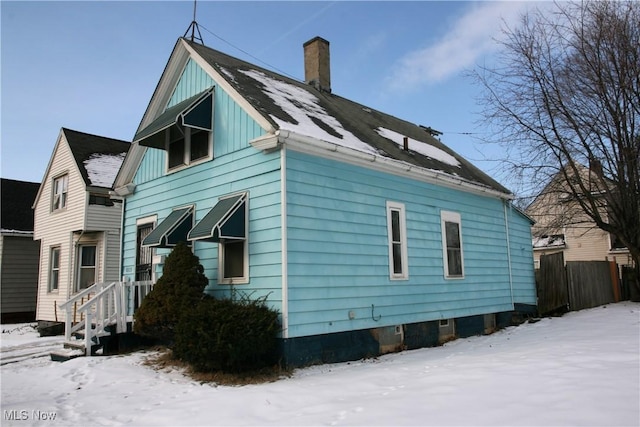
(192, 113)
(60, 188)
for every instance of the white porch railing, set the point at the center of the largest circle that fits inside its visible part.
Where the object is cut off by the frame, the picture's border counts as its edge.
(108, 304)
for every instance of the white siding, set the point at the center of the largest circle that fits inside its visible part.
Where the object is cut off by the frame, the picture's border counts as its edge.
(78, 223)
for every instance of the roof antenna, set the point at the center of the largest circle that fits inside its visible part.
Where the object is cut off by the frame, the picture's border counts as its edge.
(194, 27)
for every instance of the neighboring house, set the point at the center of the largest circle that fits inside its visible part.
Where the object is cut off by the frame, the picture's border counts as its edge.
(77, 221)
(19, 254)
(561, 226)
(365, 232)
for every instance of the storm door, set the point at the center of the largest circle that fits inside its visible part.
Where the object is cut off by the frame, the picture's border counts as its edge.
(144, 254)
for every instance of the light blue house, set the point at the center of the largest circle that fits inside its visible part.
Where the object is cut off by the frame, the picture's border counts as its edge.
(364, 231)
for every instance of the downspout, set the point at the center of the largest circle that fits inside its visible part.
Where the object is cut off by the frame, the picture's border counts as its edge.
(283, 216)
(71, 255)
(121, 238)
(506, 224)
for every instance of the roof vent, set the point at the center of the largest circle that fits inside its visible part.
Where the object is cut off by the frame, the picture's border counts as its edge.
(317, 70)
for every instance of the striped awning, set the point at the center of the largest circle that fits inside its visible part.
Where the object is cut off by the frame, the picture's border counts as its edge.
(195, 112)
(225, 221)
(172, 230)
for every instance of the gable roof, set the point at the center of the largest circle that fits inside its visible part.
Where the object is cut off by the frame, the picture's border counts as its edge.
(17, 197)
(98, 158)
(284, 106)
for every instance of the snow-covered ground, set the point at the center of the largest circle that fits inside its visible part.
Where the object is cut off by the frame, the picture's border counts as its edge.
(580, 369)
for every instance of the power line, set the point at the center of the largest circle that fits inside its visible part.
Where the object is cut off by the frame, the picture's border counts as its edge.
(248, 54)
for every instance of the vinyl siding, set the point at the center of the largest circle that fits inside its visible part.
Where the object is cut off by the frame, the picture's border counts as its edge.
(192, 81)
(107, 219)
(584, 242)
(338, 258)
(522, 268)
(55, 229)
(19, 273)
(201, 186)
(236, 167)
(78, 223)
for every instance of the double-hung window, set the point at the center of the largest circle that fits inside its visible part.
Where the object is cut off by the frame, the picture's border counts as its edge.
(191, 147)
(60, 187)
(452, 245)
(54, 268)
(397, 230)
(86, 266)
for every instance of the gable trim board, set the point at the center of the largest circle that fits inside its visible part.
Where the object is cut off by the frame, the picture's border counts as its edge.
(178, 60)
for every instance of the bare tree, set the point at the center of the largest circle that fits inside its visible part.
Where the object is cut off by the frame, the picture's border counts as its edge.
(565, 97)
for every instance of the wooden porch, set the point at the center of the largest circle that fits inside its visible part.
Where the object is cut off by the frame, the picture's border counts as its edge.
(97, 313)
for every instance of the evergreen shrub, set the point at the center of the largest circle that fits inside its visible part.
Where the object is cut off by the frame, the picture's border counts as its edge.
(228, 335)
(176, 292)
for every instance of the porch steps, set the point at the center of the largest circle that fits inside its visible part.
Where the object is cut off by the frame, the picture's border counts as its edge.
(76, 347)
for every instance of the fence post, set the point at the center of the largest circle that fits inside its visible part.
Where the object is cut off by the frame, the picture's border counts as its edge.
(87, 334)
(615, 279)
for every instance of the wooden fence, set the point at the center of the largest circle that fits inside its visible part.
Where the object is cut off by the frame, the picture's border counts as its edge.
(576, 285)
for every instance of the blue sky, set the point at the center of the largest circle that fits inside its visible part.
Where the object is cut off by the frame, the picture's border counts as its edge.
(92, 66)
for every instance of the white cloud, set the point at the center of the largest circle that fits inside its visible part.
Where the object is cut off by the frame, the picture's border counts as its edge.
(469, 38)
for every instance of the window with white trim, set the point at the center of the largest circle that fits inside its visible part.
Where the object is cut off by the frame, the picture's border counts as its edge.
(397, 231)
(452, 245)
(86, 266)
(60, 189)
(233, 253)
(54, 268)
(194, 146)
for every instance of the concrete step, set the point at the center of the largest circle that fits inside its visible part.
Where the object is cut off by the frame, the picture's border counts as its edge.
(63, 355)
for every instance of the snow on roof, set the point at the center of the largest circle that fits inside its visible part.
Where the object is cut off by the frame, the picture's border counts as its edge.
(419, 146)
(554, 241)
(305, 109)
(103, 168)
(9, 231)
(228, 73)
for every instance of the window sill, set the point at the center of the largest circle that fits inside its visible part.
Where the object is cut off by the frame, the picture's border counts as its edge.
(234, 281)
(187, 166)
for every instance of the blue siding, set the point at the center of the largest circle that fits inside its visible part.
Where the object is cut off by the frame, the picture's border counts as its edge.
(202, 185)
(236, 167)
(233, 128)
(338, 254)
(192, 81)
(522, 268)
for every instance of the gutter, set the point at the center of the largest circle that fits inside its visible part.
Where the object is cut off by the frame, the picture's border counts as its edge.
(311, 145)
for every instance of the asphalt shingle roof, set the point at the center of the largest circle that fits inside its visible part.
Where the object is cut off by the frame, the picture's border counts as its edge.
(88, 148)
(17, 197)
(340, 119)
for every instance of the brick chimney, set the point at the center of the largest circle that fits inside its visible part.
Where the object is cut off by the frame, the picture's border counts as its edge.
(317, 70)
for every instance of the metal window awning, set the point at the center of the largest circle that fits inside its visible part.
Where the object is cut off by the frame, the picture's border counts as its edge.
(225, 221)
(195, 112)
(172, 230)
